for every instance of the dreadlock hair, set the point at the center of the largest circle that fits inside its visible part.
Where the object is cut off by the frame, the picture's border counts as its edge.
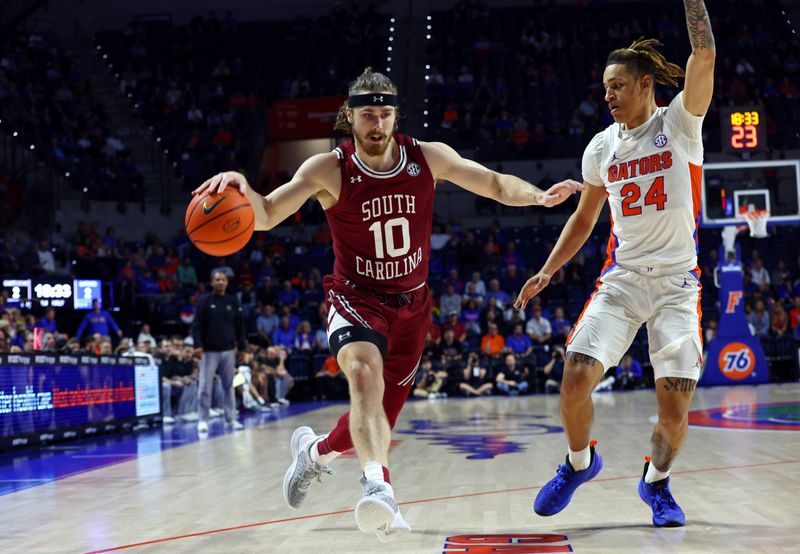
(642, 58)
(368, 81)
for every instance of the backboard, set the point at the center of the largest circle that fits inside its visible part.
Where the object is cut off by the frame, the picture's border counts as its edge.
(729, 190)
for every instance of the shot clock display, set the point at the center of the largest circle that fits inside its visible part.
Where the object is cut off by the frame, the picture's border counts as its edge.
(744, 129)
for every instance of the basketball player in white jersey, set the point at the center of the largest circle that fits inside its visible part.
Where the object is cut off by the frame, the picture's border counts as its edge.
(648, 165)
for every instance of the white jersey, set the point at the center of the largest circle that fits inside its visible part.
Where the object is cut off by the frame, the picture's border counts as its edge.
(652, 177)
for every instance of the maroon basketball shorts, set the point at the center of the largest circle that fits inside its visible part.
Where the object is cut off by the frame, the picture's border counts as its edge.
(396, 323)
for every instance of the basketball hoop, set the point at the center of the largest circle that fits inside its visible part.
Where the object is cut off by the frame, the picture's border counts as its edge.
(757, 221)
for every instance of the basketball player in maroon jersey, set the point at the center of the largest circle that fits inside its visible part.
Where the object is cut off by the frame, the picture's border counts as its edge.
(377, 191)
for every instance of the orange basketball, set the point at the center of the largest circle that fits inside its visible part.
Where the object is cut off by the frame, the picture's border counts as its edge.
(220, 224)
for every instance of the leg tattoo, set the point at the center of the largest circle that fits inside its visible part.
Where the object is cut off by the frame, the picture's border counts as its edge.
(663, 453)
(578, 358)
(679, 384)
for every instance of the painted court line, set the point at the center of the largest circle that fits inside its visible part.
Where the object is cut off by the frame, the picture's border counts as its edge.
(421, 501)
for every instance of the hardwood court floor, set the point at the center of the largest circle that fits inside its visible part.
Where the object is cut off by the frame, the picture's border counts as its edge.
(460, 467)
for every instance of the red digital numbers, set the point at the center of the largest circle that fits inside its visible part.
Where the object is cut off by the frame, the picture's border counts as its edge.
(744, 136)
(654, 196)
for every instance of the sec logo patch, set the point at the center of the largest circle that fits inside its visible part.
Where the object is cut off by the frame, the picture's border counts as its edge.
(660, 140)
(736, 361)
(413, 169)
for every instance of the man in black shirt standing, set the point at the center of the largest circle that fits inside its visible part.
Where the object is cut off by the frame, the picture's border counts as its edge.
(218, 329)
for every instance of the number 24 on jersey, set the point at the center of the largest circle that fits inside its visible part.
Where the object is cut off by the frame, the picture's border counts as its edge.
(654, 196)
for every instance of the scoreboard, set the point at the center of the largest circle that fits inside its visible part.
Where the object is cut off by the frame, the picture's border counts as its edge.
(56, 293)
(744, 129)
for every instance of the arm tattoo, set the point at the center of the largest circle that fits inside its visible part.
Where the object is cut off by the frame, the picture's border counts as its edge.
(699, 25)
(578, 358)
(679, 384)
(662, 454)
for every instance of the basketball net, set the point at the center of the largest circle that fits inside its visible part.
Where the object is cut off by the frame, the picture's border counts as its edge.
(757, 221)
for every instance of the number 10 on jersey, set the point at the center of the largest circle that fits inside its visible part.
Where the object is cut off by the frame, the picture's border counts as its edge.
(383, 233)
(631, 193)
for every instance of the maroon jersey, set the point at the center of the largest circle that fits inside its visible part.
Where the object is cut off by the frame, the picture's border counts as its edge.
(381, 225)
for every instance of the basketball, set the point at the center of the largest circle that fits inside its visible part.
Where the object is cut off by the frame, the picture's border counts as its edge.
(220, 224)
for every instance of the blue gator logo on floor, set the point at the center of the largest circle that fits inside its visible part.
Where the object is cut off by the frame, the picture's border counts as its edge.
(482, 437)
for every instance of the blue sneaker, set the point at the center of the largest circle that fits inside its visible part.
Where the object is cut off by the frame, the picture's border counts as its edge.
(666, 512)
(557, 493)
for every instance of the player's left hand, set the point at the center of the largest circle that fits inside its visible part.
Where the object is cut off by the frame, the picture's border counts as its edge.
(560, 191)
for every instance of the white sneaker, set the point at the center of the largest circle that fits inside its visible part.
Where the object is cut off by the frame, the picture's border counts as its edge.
(378, 512)
(202, 427)
(236, 425)
(283, 401)
(191, 416)
(303, 471)
(167, 420)
(215, 412)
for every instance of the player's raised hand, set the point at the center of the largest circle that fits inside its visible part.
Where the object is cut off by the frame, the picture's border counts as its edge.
(220, 181)
(561, 191)
(531, 288)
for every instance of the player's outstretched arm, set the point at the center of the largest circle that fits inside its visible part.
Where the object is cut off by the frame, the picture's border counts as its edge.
(448, 164)
(311, 178)
(578, 228)
(699, 85)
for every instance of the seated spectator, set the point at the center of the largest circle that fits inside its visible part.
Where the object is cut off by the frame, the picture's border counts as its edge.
(294, 319)
(493, 343)
(561, 327)
(759, 273)
(147, 283)
(759, 319)
(450, 302)
(629, 374)
(471, 316)
(145, 336)
(512, 378)
(266, 323)
(457, 327)
(246, 391)
(178, 384)
(779, 321)
(471, 293)
(450, 352)
(553, 370)
(312, 296)
(48, 321)
(283, 335)
(538, 328)
(288, 296)
(330, 382)
(430, 383)
(512, 280)
(501, 297)
(276, 356)
(303, 338)
(321, 343)
(519, 343)
(475, 380)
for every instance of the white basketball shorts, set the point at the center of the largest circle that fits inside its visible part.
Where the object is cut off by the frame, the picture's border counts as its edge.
(623, 300)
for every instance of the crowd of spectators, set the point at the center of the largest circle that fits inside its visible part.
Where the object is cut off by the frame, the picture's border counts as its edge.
(204, 87)
(48, 106)
(527, 82)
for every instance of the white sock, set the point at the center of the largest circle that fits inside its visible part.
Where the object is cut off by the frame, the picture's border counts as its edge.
(322, 459)
(373, 471)
(580, 459)
(654, 475)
